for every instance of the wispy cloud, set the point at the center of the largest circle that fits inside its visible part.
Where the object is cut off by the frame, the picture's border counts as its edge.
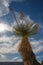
(17, 59)
(41, 27)
(37, 46)
(2, 57)
(4, 4)
(28, 19)
(3, 9)
(8, 44)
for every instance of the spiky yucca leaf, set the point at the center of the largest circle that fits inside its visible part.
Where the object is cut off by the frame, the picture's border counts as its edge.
(21, 15)
(25, 29)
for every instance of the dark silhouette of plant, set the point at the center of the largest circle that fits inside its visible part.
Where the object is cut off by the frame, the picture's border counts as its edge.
(42, 62)
(25, 30)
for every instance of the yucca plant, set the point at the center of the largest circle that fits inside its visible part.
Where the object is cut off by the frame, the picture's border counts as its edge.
(25, 30)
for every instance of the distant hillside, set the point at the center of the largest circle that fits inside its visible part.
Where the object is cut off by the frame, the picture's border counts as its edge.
(11, 63)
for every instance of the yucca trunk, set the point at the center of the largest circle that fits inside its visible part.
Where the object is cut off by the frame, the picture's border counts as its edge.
(26, 51)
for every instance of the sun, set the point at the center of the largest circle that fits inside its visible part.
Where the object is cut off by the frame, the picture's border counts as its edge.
(2, 27)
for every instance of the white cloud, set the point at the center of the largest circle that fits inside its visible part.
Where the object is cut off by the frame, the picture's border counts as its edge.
(37, 46)
(2, 57)
(7, 2)
(4, 4)
(39, 56)
(28, 19)
(3, 9)
(17, 59)
(9, 44)
(5, 27)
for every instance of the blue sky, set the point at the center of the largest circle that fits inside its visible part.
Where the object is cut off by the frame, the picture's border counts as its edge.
(33, 11)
